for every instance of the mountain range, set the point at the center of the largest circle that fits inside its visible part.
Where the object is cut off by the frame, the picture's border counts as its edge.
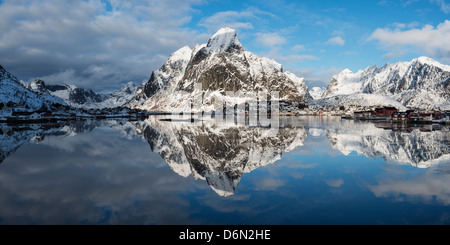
(85, 98)
(13, 91)
(209, 70)
(220, 73)
(419, 83)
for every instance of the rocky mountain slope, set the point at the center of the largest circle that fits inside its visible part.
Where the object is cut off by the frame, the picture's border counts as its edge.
(85, 98)
(213, 74)
(12, 90)
(419, 83)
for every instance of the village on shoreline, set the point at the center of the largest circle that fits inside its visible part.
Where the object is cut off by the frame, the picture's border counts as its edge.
(370, 113)
(15, 113)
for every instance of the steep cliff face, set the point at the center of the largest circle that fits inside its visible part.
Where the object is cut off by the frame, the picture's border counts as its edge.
(419, 83)
(219, 72)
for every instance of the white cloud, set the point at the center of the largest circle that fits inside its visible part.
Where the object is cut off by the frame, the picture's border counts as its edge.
(228, 19)
(298, 48)
(394, 54)
(336, 41)
(445, 7)
(269, 184)
(270, 39)
(426, 188)
(398, 25)
(317, 77)
(335, 182)
(234, 19)
(276, 54)
(432, 40)
(301, 57)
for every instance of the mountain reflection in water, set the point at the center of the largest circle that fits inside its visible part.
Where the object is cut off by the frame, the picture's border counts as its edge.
(107, 164)
(220, 150)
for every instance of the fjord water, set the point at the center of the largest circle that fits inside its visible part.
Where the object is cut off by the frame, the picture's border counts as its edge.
(307, 170)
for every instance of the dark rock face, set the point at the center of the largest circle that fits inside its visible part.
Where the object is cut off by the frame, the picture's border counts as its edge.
(199, 56)
(81, 96)
(231, 71)
(151, 87)
(39, 86)
(220, 77)
(55, 88)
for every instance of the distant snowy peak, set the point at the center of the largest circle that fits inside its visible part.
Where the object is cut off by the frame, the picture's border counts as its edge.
(37, 85)
(128, 88)
(84, 98)
(419, 83)
(76, 97)
(119, 97)
(426, 60)
(316, 92)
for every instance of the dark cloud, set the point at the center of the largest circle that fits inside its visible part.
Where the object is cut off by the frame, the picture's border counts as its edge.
(99, 44)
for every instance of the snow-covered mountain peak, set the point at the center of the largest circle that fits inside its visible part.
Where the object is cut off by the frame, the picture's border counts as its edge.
(224, 31)
(224, 40)
(346, 71)
(346, 82)
(429, 61)
(37, 85)
(345, 74)
(298, 81)
(183, 53)
(84, 98)
(211, 70)
(419, 83)
(316, 92)
(128, 88)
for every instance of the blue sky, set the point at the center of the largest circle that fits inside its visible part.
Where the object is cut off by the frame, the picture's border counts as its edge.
(103, 44)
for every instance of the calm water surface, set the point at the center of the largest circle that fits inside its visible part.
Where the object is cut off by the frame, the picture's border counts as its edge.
(309, 170)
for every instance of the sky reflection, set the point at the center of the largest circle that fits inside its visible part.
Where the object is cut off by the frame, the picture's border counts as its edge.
(117, 173)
